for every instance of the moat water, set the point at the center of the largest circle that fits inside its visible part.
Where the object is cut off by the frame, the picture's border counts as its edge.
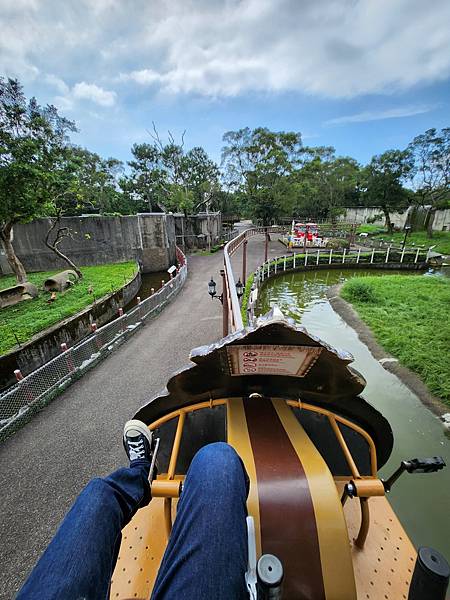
(422, 501)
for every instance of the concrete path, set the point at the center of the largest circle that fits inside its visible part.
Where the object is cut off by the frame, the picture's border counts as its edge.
(44, 466)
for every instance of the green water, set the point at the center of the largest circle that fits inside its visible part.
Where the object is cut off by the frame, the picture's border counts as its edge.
(422, 502)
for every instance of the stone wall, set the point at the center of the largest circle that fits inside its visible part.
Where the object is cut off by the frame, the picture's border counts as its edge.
(361, 215)
(198, 231)
(148, 238)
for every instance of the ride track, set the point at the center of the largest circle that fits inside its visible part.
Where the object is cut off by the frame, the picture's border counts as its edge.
(46, 464)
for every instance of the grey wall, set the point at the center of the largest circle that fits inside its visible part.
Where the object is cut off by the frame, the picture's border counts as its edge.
(148, 238)
(360, 215)
(196, 231)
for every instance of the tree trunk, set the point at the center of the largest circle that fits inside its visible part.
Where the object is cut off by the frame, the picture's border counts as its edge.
(67, 259)
(429, 220)
(13, 261)
(54, 247)
(388, 223)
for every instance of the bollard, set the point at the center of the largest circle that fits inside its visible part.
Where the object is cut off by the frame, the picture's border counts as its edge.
(138, 299)
(163, 283)
(152, 291)
(124, 326)
(18, 374)
(120, 312)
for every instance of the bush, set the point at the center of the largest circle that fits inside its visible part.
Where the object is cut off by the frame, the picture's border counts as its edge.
(338, 244)
(358, 290)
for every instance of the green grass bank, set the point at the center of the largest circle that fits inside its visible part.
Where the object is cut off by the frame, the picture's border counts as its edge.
(20, 322)
(409, 317)
(419, 238)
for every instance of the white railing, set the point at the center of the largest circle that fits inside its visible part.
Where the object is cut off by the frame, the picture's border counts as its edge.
(20, 402)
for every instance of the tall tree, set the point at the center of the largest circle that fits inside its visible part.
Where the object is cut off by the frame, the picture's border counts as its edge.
(258, 165)
(167, 177)
(430, 153)
(383, 180)
(31, 140)
(325, 183)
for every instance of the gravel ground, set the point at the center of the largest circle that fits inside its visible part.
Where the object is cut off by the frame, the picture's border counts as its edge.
(45, 465)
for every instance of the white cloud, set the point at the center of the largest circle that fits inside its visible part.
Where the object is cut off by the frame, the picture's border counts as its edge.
(94, 93)
(391, 113)
(143, 77)
(331, 48)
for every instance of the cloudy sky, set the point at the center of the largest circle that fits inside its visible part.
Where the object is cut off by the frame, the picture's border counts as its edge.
(361, 75)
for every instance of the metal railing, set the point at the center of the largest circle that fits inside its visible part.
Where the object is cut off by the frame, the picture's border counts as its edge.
(413, 258)
(20, 402)
(230, 301)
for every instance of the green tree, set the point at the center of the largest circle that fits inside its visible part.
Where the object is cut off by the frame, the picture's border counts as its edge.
(430, 155)
(32, 138)
(258, 166)
(383, 179)
(325, 183)
(165, 176)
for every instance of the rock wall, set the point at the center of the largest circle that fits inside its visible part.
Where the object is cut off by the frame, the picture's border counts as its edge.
(361, 215)
(198, 231)
(147, 238)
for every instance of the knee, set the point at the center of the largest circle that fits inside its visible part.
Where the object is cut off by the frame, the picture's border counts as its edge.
(218, 464)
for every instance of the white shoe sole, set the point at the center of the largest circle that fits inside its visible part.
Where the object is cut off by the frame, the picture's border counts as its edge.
(139, 426)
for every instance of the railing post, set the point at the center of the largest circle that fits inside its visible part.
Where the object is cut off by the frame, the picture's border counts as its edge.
(94, 333)
(331, 254)
(68, 353)
(359, 254)
(284, 265)
(306, 258)
(371, 258)
(417, 256)
(343, 255)
(276, 262)
(402, 254)
(294, 260)
(317, 259)
(224, 304)
(387, 254)
(244, 262)
(21, 382)
(266, 247)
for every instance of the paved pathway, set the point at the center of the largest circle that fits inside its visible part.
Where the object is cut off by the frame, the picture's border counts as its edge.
(45, 465)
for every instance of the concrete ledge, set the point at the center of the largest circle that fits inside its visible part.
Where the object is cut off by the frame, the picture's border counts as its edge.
(46, 344)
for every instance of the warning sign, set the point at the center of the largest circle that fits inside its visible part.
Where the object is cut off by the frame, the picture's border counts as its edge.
(294, 361)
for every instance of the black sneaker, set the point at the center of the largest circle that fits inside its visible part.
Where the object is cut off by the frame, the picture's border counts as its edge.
(137, 441)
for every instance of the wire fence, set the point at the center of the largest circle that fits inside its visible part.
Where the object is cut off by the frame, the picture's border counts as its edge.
(20, 402)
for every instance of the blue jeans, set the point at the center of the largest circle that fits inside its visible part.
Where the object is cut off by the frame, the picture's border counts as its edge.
(206, 556)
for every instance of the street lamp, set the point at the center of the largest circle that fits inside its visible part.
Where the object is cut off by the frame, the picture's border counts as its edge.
(239, 289)
(407, 230)
(212, 290)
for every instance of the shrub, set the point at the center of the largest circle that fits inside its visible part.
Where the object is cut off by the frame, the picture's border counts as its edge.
(358, 290)
(338, 243)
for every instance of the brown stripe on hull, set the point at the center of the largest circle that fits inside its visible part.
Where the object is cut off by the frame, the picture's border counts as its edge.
(288, 525)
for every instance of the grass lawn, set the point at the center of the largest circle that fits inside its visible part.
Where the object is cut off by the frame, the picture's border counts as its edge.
(31, 316)
(409, 317)
(440, 238)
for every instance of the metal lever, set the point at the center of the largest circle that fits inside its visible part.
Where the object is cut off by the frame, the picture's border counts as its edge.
(415, 465)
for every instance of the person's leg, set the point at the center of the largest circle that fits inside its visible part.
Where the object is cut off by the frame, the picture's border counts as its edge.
(79, 561)
(206, 556)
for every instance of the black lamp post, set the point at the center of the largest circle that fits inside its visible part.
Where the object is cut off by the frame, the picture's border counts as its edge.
(212, 291)
(407, 230)
(239, 289)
